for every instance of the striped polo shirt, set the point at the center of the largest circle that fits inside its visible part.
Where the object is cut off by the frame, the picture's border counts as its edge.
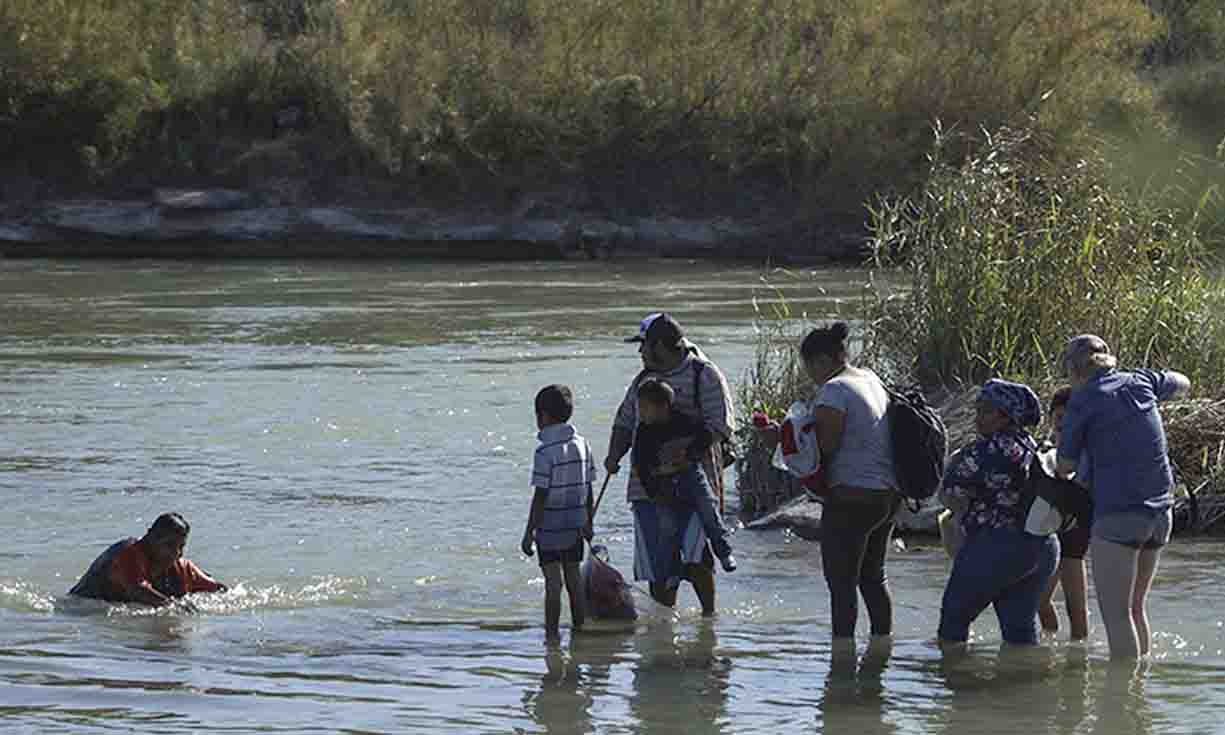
(716, 412)
(564, 468)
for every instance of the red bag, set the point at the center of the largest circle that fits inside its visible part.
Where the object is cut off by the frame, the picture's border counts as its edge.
(608, 596)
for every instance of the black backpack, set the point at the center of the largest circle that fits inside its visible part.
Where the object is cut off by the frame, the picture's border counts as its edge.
(920, 444)
(1053, 504)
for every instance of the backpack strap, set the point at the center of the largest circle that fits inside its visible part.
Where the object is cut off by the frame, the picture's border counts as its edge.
(724, 447)
(697, 385)
(638, 378)
(893, 395)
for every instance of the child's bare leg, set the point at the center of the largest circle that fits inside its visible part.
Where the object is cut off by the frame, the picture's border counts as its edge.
(552, 600)
(663, 594)
(1046, 607)
(578, 615)
(1076, 593)
(1146, 570)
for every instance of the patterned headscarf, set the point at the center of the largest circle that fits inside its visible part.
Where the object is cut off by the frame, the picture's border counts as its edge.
(1017, 400)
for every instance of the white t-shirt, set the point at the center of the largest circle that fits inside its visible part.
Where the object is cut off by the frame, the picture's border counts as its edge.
(865, 457)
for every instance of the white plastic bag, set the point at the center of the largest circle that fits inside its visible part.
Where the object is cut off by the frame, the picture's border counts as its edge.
(798, 452)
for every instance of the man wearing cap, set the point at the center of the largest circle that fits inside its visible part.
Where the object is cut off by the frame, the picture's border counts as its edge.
(150, 570)
(1112, 416)
(662, 533)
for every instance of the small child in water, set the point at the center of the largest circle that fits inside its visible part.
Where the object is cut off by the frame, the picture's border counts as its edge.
(661, 436)
(1073, 546)
(560, 518)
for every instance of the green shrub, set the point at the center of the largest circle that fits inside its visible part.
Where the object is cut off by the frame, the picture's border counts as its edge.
(1011, 252)
(820, 99)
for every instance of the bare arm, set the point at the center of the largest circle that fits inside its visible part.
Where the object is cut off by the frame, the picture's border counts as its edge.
(533, 520)
(1181, 382)
(831, 423)
(198, 580)
(145, 593)
(618, 444)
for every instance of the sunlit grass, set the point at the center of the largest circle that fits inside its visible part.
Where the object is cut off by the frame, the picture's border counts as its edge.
(823, 99)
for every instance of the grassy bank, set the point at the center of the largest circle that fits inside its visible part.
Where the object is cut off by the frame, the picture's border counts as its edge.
(715, 105)
(1001, 256)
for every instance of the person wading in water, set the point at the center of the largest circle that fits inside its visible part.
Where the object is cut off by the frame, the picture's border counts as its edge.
(670, 543)
(150, 570)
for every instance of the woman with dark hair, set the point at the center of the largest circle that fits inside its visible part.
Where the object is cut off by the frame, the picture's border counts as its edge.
(857, 522)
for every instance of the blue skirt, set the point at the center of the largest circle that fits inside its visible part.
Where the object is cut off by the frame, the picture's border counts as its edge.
(666, 538)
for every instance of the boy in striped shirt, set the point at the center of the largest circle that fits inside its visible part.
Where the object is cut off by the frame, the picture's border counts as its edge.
(560, 518)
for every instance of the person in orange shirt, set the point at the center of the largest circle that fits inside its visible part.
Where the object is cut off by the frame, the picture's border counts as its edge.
(150, 570)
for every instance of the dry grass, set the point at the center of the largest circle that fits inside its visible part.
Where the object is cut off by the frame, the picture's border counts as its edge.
(816, 97)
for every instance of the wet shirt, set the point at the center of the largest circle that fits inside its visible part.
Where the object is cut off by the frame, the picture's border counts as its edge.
(1114, 419)
(564, 469)
(125, 565)
(716, 412)
(989, 476)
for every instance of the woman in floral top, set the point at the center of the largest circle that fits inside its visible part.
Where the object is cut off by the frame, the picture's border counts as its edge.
(999, 563)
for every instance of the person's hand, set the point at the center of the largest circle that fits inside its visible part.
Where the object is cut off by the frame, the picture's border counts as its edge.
(527, 544)
(611, 466)
(764, 424)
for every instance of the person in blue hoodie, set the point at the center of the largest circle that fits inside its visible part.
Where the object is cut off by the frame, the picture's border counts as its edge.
(1112, 416)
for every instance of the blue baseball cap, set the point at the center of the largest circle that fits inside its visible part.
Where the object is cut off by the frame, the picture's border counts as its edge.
(658, 326)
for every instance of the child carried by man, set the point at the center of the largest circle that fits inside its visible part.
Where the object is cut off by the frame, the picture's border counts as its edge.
(667, 456)
(560, 518)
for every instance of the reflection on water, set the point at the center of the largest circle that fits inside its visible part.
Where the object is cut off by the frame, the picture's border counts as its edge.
(854, 698)
(679, 683)
(350, 443)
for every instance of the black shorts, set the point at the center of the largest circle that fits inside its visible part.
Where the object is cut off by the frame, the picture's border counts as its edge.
(1074, 544)
(572, 555)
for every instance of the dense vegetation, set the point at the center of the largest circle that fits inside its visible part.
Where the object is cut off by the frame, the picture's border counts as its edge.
(717, 104)
(991, 265)
(1006, 255)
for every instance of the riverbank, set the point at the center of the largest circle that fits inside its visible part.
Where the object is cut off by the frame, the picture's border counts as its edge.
(697, 130)
(229, 223)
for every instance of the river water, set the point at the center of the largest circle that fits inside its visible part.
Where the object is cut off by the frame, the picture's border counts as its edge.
(351, 443)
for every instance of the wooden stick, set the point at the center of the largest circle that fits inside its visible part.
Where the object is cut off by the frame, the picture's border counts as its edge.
(600, 497)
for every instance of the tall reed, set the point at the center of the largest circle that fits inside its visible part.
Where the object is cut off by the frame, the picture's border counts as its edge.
(1009, 253)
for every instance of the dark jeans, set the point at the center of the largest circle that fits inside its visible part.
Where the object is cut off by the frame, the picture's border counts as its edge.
(691, 488)
(1007, 568)
(856, 527)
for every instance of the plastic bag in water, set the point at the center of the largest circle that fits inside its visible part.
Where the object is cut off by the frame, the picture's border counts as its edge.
(608, 595)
